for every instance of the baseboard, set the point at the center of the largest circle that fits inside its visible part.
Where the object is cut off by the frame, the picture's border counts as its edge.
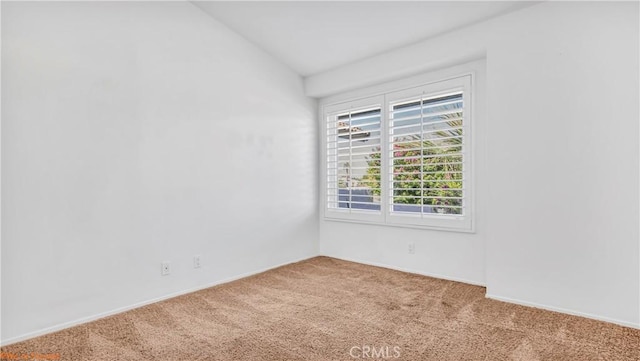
(118, 310)
(563, 310)
(407, 270)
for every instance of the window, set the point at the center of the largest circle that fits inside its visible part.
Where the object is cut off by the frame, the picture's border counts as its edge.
(354, 152)
(402, 158)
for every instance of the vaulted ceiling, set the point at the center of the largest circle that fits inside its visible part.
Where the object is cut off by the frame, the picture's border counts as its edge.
(315, 36)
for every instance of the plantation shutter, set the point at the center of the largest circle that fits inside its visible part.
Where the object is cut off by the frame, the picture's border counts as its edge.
(426, 155)
(354, 152)
(403, 157)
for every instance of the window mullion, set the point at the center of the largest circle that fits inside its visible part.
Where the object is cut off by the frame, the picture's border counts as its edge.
(349, 181)
(384, 159)
(421, 155)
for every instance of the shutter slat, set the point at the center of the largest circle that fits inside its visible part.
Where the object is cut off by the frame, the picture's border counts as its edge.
(427, 107)
(432, 128)
(353, 139)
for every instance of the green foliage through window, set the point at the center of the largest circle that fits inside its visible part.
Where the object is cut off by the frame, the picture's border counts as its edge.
(427, 165)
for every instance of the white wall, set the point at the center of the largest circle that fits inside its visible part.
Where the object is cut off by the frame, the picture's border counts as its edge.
(135, 133)
(561, 216)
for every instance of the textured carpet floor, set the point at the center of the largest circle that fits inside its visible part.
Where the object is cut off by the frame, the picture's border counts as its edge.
(327, 309)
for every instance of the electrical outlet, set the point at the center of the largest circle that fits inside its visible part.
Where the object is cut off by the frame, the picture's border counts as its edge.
(412, 248)
(165, 268)
(196, 261)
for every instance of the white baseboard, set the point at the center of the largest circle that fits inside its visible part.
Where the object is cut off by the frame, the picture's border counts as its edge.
(401, 269)
(98, 316)
(563, 310)
(118, 310)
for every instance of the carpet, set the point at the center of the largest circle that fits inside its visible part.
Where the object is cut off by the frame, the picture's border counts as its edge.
(328, 309)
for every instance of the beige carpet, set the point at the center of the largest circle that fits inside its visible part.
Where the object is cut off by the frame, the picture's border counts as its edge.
(327, 309)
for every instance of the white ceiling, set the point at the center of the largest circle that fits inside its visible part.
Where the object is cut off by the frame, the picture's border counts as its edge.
(314, 36)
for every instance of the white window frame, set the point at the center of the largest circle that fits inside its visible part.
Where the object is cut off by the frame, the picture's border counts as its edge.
(330, 111)
(436, 89)
(462, 78)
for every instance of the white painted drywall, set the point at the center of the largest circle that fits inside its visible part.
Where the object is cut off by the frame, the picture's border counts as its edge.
(562, 161)
(135, 133)
(570, 89)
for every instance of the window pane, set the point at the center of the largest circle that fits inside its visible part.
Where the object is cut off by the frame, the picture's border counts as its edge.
(426, 155)
(358, 143)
